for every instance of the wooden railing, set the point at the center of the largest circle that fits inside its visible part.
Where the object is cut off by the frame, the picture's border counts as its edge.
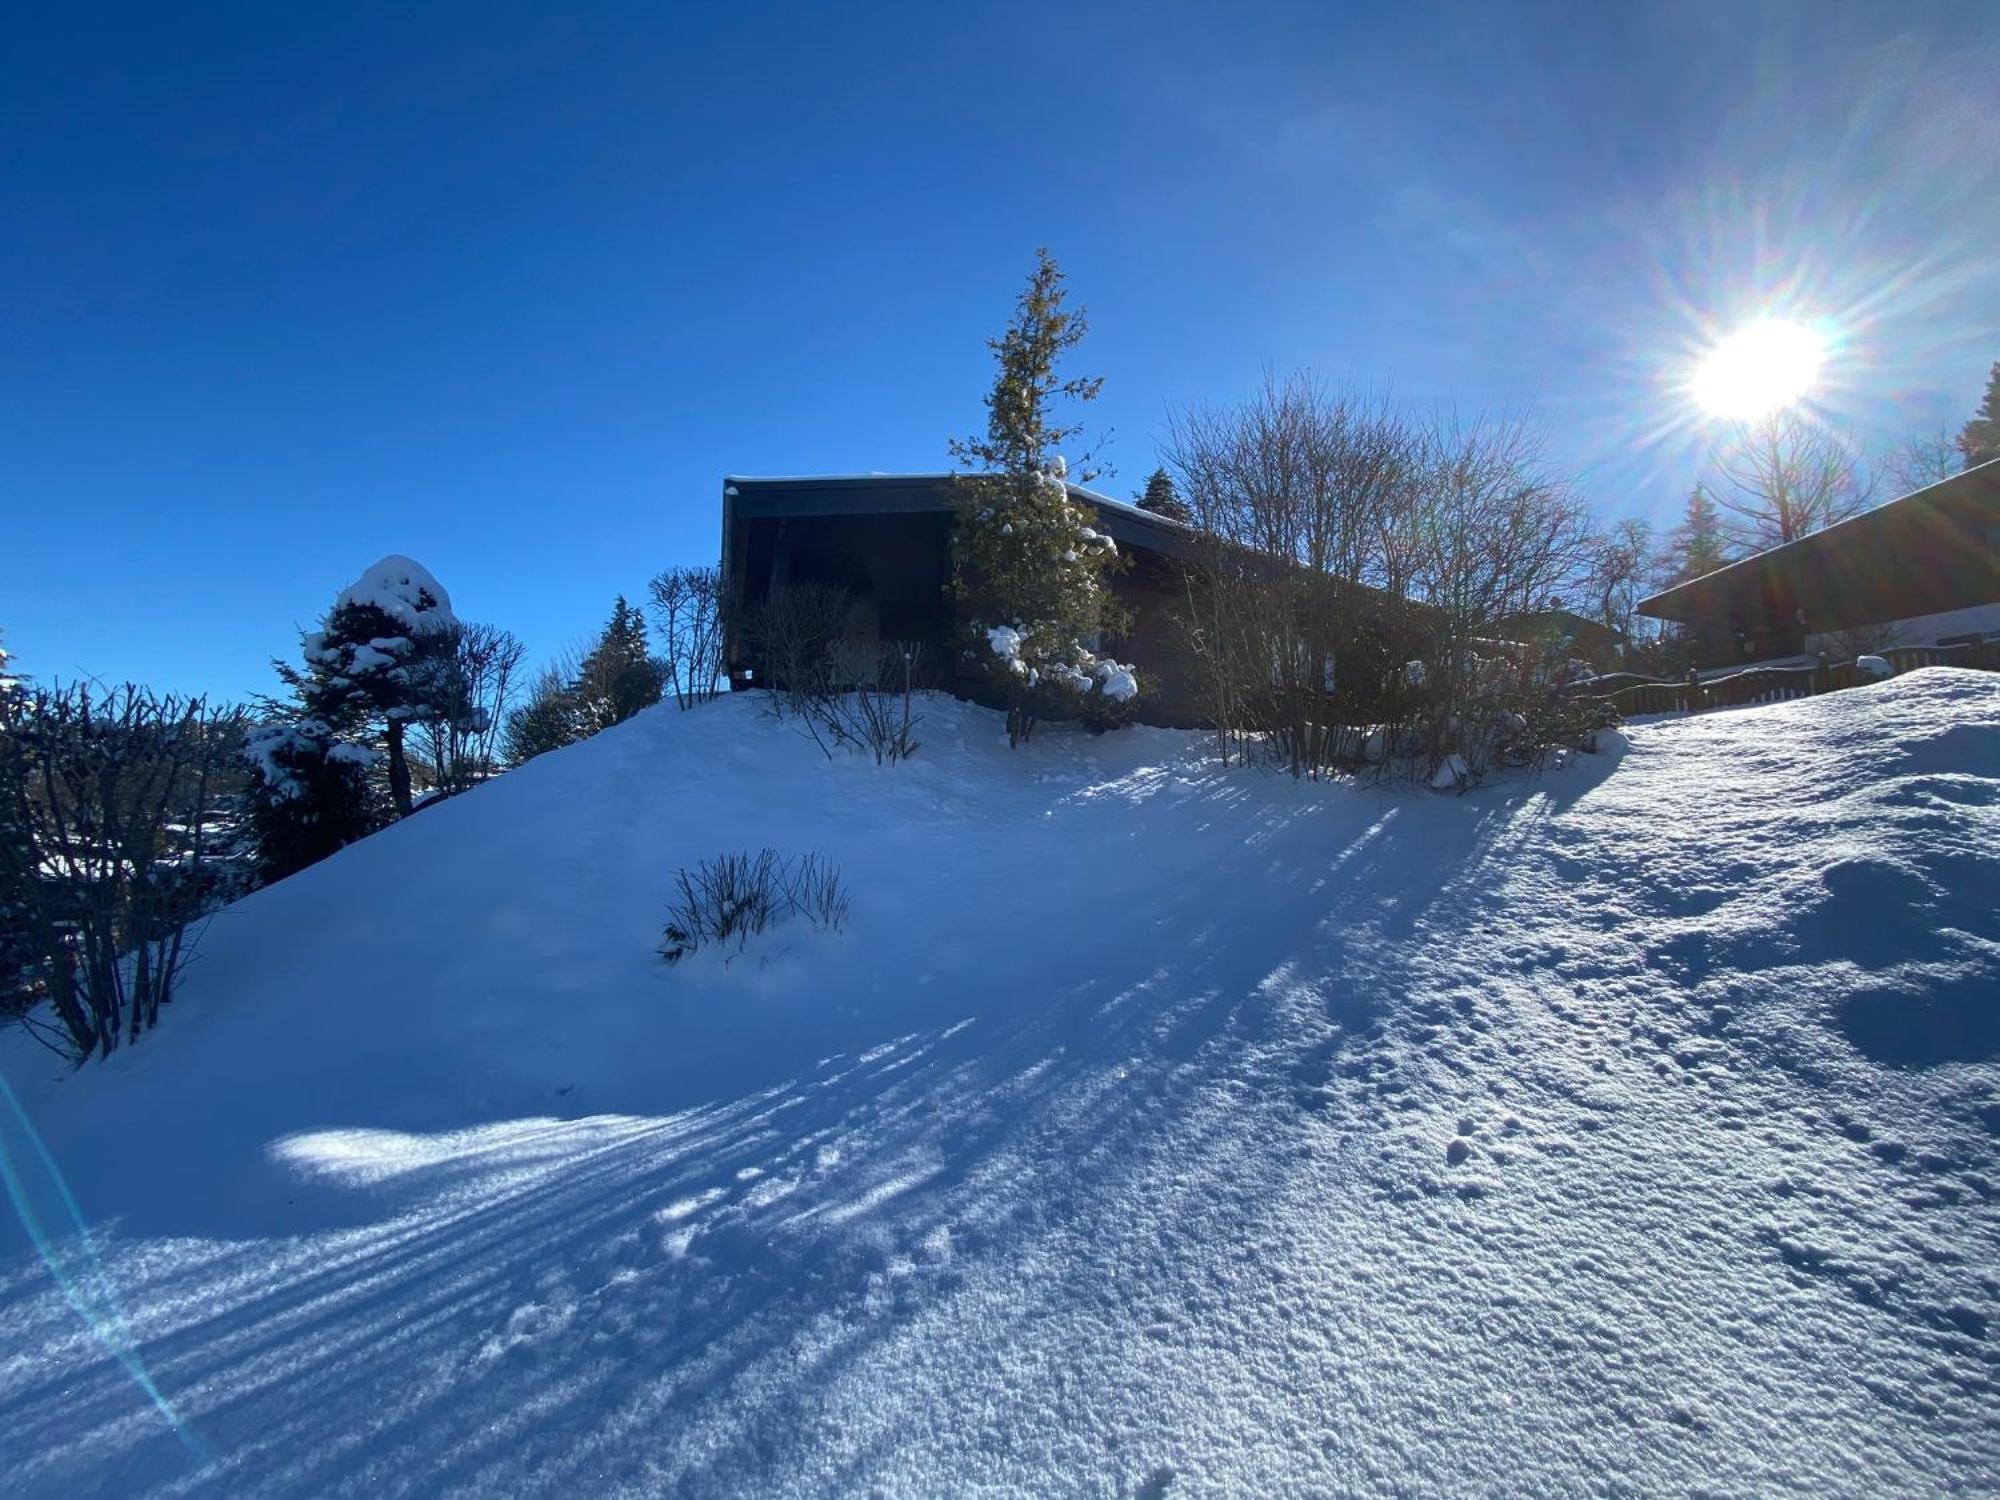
(1780, 684)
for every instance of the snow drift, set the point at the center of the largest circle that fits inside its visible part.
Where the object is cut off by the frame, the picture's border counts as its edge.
(1151, 1130)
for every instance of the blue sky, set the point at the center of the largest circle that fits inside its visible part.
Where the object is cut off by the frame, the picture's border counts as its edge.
(510, 289)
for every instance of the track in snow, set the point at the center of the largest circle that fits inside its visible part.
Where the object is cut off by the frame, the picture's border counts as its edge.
(1156, 1130)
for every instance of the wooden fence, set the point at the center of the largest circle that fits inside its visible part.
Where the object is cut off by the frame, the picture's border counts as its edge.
(1778, 684)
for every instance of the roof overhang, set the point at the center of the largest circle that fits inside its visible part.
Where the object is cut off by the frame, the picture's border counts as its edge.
(1933, 550)
(746, 498)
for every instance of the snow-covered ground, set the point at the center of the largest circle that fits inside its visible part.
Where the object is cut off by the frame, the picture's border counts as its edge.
(1153, 1130)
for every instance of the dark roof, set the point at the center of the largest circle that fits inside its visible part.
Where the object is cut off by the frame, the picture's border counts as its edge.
(1933, 550)
(1563, 619)
(895, 494)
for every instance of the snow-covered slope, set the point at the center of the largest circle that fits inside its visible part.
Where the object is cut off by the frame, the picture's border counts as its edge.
(1152, 1130)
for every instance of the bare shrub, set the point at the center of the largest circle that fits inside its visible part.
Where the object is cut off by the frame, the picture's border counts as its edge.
(793, 631)
(733, 897)
(873, 708)
(841, 690)
(1337, 541)
(690, 607)
(471, 680)
(119, 794)
(1290, 494)
(1503, 535)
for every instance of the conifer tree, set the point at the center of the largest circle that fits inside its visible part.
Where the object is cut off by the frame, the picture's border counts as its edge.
(1692, 549)
(310, 794)
(618, 676)
(1695, 546)
(1160, 498)
(367, 667)
(547, 721)
(1979, 439)
(1028, 560)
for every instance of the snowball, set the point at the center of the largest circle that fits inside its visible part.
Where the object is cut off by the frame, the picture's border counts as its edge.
(1874, 667)
(1414, 673)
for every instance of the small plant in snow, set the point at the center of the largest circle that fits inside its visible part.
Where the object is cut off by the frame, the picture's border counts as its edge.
(733, 897)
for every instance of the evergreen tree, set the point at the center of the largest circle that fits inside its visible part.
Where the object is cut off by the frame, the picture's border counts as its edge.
(1979, 439)
(618, 676)
(1694, 547)
(547, 721)
(1028, 562)
(368, 667)
(310, 794)
(1160, 498)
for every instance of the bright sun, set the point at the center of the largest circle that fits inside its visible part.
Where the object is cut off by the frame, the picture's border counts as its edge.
(1758, 370)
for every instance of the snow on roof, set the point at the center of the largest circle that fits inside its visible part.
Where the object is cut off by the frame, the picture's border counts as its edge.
(405, 590)
(1093, 497)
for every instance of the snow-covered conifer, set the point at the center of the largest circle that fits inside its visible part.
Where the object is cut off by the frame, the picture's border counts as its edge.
(367, 664)
(310, 795)
(1029, 561)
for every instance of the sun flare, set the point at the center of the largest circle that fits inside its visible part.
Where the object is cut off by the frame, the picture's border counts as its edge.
(1758, 370)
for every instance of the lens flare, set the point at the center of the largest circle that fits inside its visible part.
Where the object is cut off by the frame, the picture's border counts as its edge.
(56, 1228)
(1758, 370)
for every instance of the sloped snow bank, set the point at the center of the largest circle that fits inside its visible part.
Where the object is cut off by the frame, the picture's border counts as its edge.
(1152, 1130)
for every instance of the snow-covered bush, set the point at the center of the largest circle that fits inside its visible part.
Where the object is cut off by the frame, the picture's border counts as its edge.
(733, 897)
(1065, 681)
(368, 668)
(112, 841)
(311, 794)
